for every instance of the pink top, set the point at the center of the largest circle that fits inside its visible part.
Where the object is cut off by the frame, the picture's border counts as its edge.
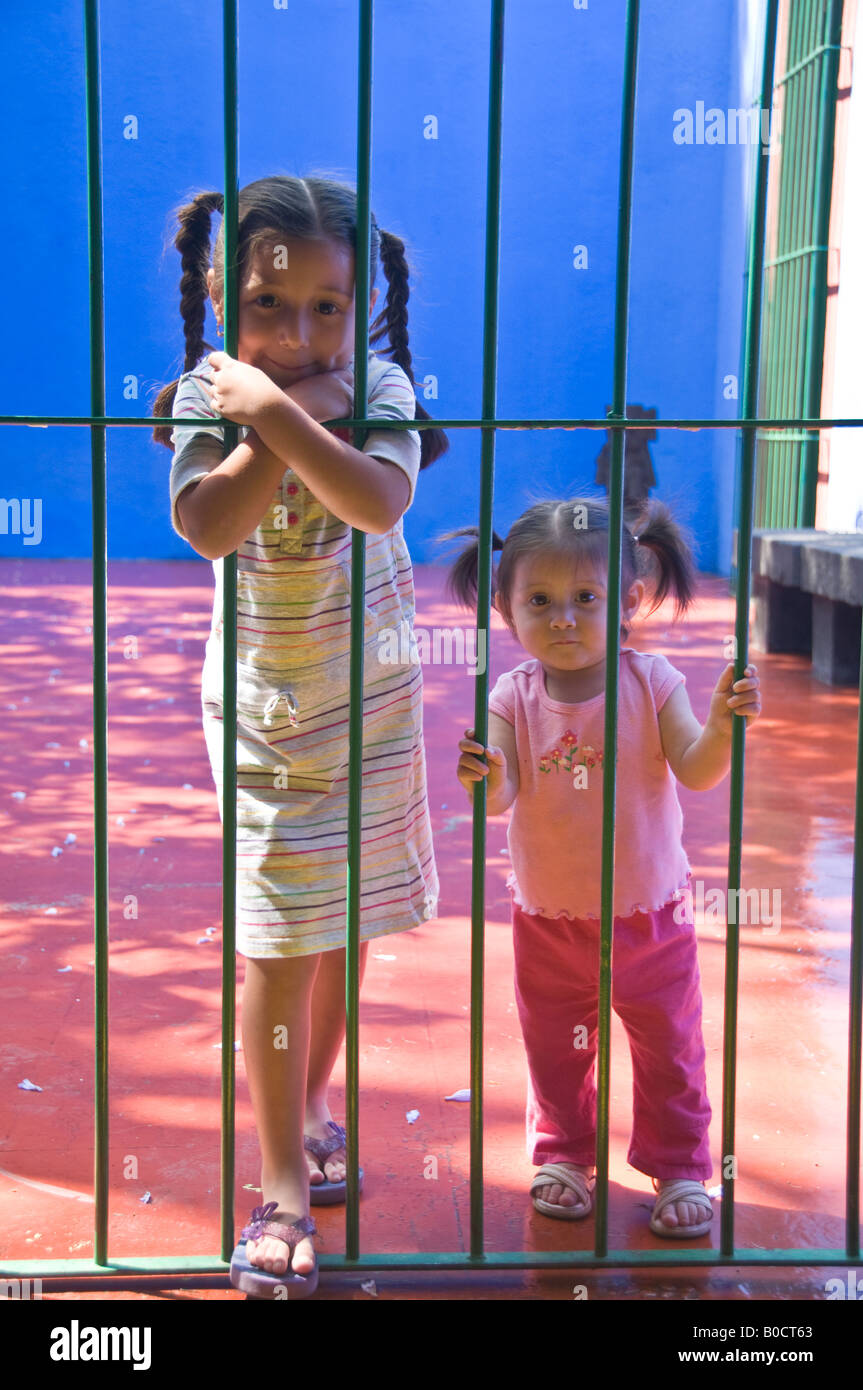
(555, 832)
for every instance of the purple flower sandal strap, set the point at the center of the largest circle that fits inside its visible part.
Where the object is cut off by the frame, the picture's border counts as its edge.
(324, 1194)
(259, 1283)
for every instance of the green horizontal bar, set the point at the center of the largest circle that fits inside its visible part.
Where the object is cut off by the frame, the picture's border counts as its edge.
(114, 1268)
(773, 423)
(449, 1260)
(795, 255)
(538, 1259)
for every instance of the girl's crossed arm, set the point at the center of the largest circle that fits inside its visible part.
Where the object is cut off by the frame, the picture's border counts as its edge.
(700, 758)
(363, 491)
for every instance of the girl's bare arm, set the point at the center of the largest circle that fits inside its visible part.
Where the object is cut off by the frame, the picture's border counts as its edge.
(220, 511)
(700, 757)
(501, 766)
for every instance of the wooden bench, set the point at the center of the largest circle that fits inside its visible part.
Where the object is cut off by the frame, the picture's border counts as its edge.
(808, 591)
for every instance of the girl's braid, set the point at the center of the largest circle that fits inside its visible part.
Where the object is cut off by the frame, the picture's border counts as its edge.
(193, 243)
(392, 324)
(393, 318)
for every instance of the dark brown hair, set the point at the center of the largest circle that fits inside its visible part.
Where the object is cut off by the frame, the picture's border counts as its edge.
(312, 209)
(660, 555)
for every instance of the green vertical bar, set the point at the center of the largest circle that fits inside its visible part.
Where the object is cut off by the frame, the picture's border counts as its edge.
(804, 155)
(781, 452)
(803, 168)
(229, 653)
(612, 657)
(483, 613)
(744, 564)
(855, 1009)
(786, 308)
(357, 677)
(762, 447)
(817, 306)
(762, 438)
(804, 163)
(800, 150)
(100, 625)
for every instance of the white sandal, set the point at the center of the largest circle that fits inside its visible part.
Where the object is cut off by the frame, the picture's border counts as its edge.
(680, 1190)
(576, 1182)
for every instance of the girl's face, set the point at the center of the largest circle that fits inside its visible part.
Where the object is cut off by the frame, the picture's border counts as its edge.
(559, 609)
(296, 309)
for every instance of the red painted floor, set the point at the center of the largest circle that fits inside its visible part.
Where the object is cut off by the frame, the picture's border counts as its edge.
(165, 851)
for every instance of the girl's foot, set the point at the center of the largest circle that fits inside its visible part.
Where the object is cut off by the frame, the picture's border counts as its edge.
(558, 1195)
(689, 1213)
(271, 1254)
(335, 1164)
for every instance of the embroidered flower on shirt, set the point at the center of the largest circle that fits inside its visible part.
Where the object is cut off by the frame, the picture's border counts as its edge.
(573, 757)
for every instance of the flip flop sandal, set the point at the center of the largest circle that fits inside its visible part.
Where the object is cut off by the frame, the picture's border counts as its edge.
(680, 1190)
(582, 1187)
(324, 1194)
(251, 1279)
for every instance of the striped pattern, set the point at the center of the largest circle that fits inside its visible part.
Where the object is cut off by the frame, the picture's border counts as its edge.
(293, 620)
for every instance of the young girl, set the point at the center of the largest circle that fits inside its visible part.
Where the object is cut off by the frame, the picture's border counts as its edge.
(546, 734)
(286, 499)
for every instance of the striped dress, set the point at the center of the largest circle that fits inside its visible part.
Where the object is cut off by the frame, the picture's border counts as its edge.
(293, 647)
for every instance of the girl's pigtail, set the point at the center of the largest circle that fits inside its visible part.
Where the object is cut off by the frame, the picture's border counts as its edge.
(463, 577)
(670, 547)
(392, 324)
(193, 243)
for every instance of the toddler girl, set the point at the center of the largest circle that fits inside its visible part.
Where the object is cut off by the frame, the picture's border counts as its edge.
(546, 733)
(286, 499)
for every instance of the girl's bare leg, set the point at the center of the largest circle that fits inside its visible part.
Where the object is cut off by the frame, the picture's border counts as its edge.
(276, 1008)
(327, 1036)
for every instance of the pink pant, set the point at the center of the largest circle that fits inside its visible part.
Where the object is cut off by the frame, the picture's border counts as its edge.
(655, 991)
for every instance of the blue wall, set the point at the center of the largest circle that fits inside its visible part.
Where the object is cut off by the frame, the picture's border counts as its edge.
(161, 62)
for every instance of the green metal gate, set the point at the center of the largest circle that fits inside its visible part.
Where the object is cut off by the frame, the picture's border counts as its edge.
(796, 273)
(107, 1271)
